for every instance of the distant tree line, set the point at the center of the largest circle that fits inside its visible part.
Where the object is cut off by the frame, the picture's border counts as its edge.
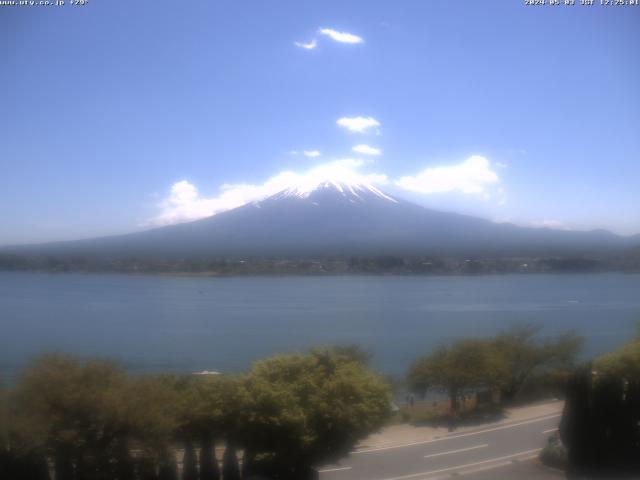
(90, 420)
(374, 264)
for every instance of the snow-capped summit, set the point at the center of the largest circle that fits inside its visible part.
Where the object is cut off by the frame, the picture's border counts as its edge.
(337, 181)
(342, 190)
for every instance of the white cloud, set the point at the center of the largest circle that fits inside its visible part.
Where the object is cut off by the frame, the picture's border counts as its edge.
(473, 176)
(311, 153)
(358, 124)
(307, 46)
(184, 203)
(501, 165)
(342, 37)
(367, 150)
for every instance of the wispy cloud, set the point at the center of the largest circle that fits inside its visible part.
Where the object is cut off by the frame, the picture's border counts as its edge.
(367, 150)
(311, 153)
(358, 124)
(185, 203)
(307, 46)
(342, 37)
(554, 224)
(473, 176)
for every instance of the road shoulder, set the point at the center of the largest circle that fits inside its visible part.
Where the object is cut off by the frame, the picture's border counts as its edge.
(396, 436)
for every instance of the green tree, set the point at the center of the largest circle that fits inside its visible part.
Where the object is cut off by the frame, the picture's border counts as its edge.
(209, 468)
(4, 428)
(189, 467)
(524, 354)
(302, 410)
(85, 415)
(601, 415)
(148, 420)
(354, 352)
(230, 467)
(71, 409)
(464, 365)
(621, 363)
(207, 409)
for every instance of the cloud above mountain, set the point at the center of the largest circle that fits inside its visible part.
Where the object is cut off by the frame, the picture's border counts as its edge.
(330, 33)
(341, 37)
(307, 45)
(473, 176)
(358, 124)
(185, 203)
(367, 150)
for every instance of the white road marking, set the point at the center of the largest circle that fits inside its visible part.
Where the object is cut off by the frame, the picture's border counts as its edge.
(337, 469)
(493, 466)
(424, 442)
(550, 430)
(457, 451)
(467, 465)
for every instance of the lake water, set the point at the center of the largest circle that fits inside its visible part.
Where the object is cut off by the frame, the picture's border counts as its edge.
(156, 323)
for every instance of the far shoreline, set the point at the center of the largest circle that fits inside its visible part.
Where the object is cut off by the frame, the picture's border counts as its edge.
(213, 274)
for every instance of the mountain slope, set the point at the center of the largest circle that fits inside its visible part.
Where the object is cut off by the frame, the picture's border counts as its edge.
(337, 219)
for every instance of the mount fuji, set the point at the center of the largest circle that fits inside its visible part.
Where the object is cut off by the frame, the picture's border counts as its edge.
(333, 218)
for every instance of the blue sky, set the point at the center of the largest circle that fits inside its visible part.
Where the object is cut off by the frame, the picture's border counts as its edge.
(121, 115)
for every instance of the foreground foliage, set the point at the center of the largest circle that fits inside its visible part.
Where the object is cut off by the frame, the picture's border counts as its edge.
(305, 409)
(87, 420)
(502, 364)
(601, 422)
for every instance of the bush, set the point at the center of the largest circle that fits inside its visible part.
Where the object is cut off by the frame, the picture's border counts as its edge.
(554, 454)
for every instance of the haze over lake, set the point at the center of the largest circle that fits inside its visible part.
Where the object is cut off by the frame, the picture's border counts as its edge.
(158, 323)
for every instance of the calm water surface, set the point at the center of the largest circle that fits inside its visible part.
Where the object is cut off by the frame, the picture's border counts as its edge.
(154, 323)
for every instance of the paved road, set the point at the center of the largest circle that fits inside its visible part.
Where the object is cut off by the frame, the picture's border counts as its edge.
(524, 470)
(499, 448)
